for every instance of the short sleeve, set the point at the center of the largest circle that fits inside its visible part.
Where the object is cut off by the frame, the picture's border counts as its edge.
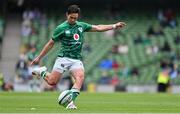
(86, 26)
(57, 33)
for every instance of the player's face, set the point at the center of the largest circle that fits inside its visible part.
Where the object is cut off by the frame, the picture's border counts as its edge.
(72, 18)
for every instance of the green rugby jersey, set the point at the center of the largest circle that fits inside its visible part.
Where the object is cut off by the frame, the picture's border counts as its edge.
(71, 38)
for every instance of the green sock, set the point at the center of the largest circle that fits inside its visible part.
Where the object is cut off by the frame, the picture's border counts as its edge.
(76, 92)
(43, 74)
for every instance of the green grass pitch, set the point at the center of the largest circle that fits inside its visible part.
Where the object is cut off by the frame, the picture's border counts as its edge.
(91, 103)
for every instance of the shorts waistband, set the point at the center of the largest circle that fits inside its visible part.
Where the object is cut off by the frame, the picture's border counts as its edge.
(69, 57)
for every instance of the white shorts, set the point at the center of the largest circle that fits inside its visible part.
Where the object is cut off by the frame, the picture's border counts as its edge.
(64, 63)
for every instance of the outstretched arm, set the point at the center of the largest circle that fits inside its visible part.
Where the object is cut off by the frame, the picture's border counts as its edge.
(44, 51)
(102, 28)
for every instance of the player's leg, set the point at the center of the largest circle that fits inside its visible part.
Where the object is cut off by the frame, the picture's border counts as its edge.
(78, 75)
(77, 72)
(51, 78)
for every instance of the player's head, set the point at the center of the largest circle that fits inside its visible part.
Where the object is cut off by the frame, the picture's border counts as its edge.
(72, 14)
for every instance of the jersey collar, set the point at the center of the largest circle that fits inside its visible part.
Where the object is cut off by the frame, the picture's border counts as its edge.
(70, 24)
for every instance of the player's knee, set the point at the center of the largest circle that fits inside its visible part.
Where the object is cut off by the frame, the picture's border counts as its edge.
(52, 82)
(52, 79)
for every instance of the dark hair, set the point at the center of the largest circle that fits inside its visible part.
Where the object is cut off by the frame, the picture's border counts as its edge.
(73, 9)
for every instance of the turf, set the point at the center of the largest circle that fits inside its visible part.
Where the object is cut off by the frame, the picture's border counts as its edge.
(93, 103)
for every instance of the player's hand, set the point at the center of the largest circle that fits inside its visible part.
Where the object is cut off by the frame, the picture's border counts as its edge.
(35, 61)
(120, 25)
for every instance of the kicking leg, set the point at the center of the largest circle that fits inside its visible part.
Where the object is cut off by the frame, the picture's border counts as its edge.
(51, 78)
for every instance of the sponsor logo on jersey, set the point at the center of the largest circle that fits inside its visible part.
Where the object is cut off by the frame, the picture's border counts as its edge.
(80, 29)
(76, 36)
(67, 32)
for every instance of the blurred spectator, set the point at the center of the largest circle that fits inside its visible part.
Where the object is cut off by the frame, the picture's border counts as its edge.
(158, 31)
(135, 71)
(170, 18)
(123, 49)
(163, 80)
(166, 63)
(115, 65)
(44, 20)
(22, 68)
(87, 48)
(8, 87)
(26, 31)
(177, 39)
(115, 80)
(125, 71)
(4, 85)
(150, 30)
(154, 31)
(27, 23)
(169, 14)
(34, 31)
(37, 14)
(138, 39)
(106, 64)
(30, 25)
(166, 47)
(152, 50)
(174, 71)
(105, 78)
(35, 85)
(166, 18)
(28, 15)
(32, 53)
(161, 18)
(114, 49)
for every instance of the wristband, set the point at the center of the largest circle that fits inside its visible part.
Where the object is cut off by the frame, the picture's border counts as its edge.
(114, 26)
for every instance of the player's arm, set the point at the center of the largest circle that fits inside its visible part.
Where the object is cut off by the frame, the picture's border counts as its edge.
(44, 51)
(102, 28)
